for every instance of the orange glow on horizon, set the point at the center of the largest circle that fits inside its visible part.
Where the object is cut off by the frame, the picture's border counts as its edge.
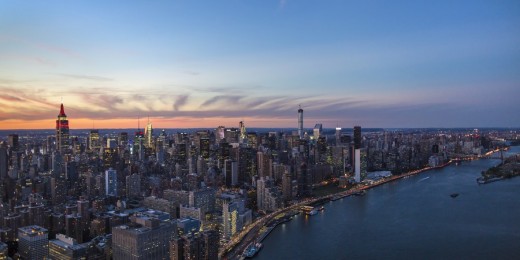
(124, 123)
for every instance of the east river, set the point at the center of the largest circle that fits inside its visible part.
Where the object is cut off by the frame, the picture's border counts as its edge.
(412, 218)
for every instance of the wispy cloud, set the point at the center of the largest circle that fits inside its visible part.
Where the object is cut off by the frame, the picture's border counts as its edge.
(10, 98)
(87, 77)
(228, 100)
(180, 101)
(95, 103)
(26, 103)
(226, 90)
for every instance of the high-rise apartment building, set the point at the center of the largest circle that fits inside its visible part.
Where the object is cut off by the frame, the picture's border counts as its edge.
(64, 247)
(145, 238)
(133, 185)
(203, 246)
(74, 227)
(232, 225)
(33, 242)
(246, 164)
(204, 199)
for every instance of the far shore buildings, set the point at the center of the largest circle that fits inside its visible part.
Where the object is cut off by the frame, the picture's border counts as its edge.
(103, 194)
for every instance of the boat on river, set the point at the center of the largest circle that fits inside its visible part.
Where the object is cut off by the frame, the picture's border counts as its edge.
(252, 250)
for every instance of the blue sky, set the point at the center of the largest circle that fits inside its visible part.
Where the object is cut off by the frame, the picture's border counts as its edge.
(207, 63)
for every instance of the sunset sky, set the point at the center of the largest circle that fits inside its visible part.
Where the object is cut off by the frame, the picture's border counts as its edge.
(210, 63)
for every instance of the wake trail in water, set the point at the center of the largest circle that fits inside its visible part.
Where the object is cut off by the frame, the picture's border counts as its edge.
(425, 178)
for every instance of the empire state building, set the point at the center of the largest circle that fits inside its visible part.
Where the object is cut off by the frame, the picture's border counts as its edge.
(62, 132)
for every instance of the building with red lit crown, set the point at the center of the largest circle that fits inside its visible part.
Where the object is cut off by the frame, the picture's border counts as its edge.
(62, 132)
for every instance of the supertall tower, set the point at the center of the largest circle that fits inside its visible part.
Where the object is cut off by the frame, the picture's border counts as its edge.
(300, 122)
(357, 137)
(62, 132)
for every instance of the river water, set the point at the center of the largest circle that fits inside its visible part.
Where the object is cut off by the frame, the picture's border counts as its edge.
(412, 218)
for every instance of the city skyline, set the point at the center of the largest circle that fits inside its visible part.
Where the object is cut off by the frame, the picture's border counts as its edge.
(204, 64)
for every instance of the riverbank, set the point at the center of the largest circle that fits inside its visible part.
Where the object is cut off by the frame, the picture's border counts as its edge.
(336, 196)
(410, 218)
(508, 169)
(268, 228)
(357, 190)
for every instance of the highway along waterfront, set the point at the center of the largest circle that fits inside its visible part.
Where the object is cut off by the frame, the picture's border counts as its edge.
(411, 218)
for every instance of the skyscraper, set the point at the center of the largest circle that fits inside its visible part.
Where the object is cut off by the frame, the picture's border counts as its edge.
(357, 137)
(260, 192)
(146, 238)
(211, 242)
(83, 211)
(93, 140)
(204, 199)
(338, 136)
(4, 161)
(300, 122)
(138, 142)
(231, 172)
(13, 142)
(111, 182)
(287, 186)
(357, 165)
(133, 185)
(33, 242)
(177, 248)
(360, 164)
(64, 247)
(230, 218)
(62, 132)
(304, 181)
(202, 246)
(123, 138)
(148, 135)
(204, 147)
(318, 128)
